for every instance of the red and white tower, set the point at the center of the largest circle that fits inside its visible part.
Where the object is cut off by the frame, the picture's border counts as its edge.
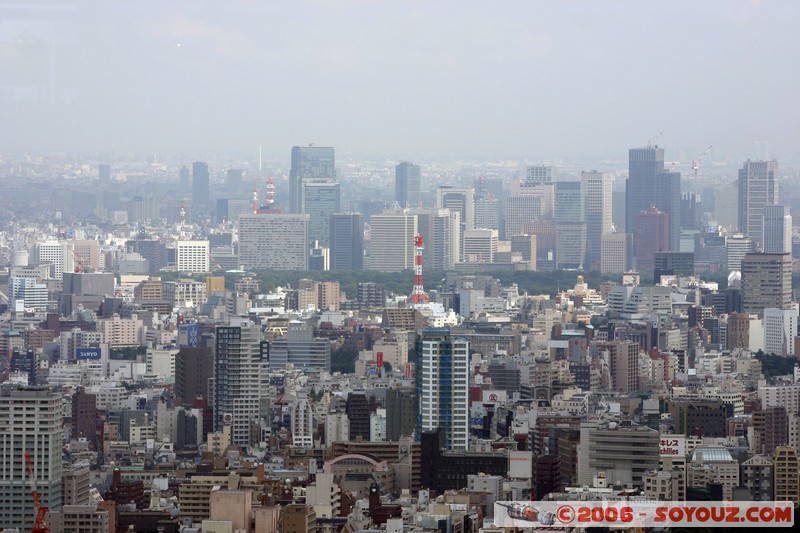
(255, 200)
(270, 193)
(183, 223)
(418, 295)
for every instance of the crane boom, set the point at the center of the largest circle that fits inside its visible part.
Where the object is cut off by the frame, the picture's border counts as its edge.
(39, 525)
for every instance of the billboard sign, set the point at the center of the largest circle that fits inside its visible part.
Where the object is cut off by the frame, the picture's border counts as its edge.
(520, 464)
(672, 446)
(494, 396)
(87, 354)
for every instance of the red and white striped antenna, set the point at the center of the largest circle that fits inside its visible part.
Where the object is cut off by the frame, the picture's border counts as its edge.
(183, 223)
(270, 193)
(255, 200)
(418, 295)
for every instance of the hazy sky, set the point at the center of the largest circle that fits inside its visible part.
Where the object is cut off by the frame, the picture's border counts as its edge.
(534, 79)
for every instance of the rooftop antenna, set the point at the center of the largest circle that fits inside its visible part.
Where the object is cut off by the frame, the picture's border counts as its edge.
(183, 223)
(260, 160)
(255, 199)
(270, 193)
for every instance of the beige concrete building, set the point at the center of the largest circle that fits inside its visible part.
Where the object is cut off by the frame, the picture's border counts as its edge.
(233, 506)
(787, 474)
(614, 250)
(79, 519)
(120, 332)
(298, 518)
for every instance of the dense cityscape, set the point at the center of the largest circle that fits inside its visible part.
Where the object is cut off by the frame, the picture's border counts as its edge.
(191, 348)
(353, 266)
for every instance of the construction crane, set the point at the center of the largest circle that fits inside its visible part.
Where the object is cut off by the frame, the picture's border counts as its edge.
(696, 162)
(39, 525)
(652, 142)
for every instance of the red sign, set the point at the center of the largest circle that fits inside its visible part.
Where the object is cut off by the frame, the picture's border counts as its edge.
(380, 359)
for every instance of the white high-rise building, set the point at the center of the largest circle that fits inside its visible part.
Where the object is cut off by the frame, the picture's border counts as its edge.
(737, 247)
(443, 386)
(337, 428)
(302, 424)
(33, 295)
(53, 252)
(777, 230)
(192, 256)
(31, 420)
(273, 241)
(758, 188)
(780, 330)
(377, 426)
(596, 188)
(240, 378)
(391, 241)
(480, 245)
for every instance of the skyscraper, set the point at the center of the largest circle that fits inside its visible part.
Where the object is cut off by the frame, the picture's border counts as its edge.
(443, 386)
(233, 180)
(650, 235)
(766, 282)
(391, 242)
(441, 230)
(240, 378)
(597, 201)
(535, 174)
(200, 187)
(31, 421)
(104, 173)
(321, 199)
(347, 241)
(458, 199)
(648, 185)
(407, 184)
(777, 230)
(273, 241)
(308, 162)
(757, 189)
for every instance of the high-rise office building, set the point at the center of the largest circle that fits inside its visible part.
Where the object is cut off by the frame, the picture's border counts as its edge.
(649, 185)
(766, 282)
(736, 247)
(301, 349)
(201, 188)
(302, 424)
(758, 188)
(569, 202)
(777, 230)
(321, 199)
(347, 241)
(458, 199)
(650, 235)
(273, 241)
(570, 245)
(308, 162)
(194, 367)
(623, 360)
(31, 418)
(487, 213)
(192, 256)
(407, 185)
(597, 201)
(535, 174)
(443, 386)
(520, 211)
(441, 232)
(480, 245)
(240, 378)
(391, 242)
(615, 249)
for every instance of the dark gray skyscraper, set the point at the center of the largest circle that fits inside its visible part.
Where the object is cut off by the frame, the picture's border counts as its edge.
(233, 180)
(200, 187)
(649, 185)
(308, 162)
(407, 184)
(347, 241)
(757, 190)
(104, 173)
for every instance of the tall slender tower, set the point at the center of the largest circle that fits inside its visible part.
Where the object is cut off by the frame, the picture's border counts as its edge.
(418, 295)
(757, 190)
(200, 187)
(443, 386)
(31, 422)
